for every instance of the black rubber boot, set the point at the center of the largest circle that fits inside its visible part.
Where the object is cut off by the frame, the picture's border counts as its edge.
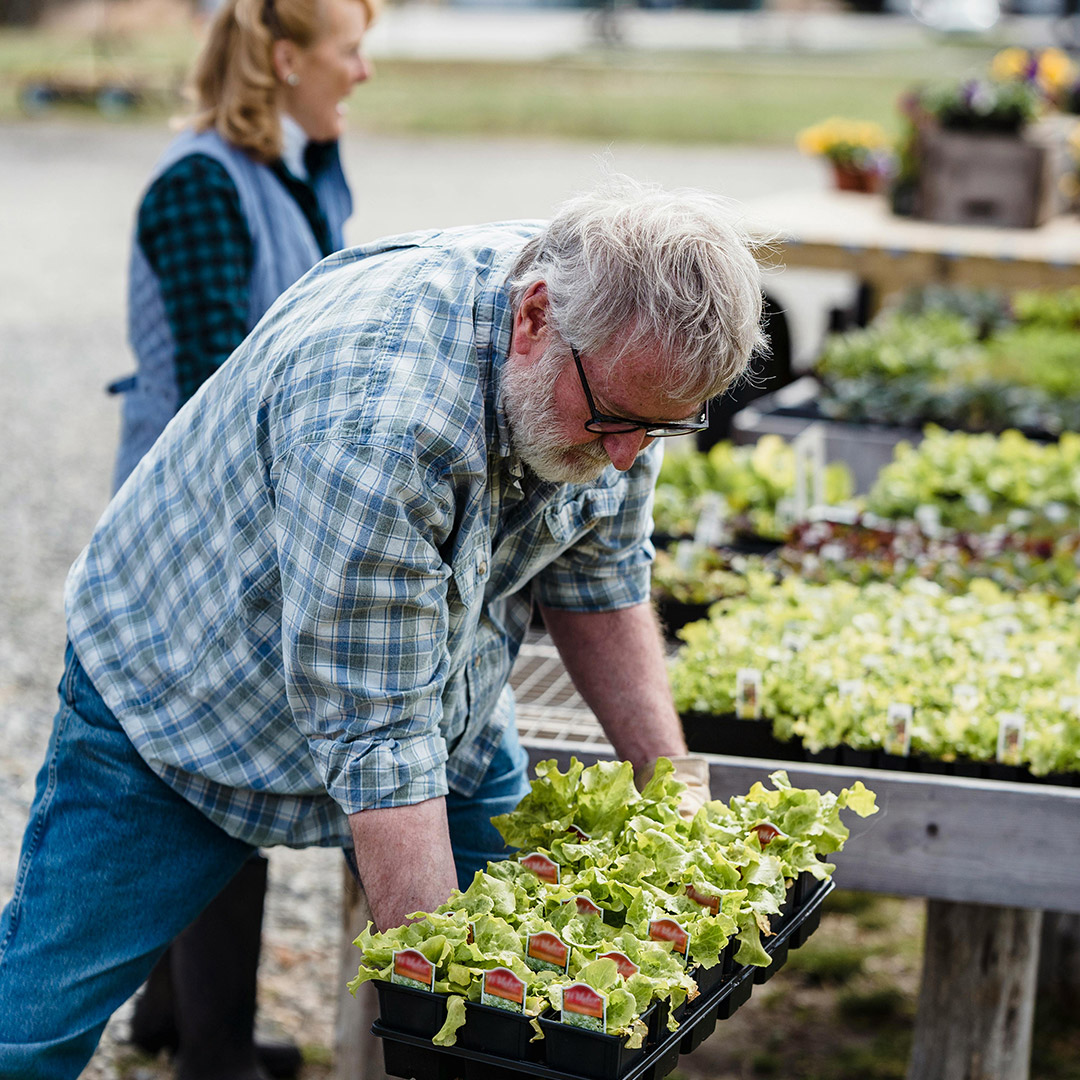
(153, 1023)
(200, 998)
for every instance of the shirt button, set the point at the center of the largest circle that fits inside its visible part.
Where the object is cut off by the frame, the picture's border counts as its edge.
(482, 569)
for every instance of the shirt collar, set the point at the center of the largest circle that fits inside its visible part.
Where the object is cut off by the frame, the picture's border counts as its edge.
(293, 144)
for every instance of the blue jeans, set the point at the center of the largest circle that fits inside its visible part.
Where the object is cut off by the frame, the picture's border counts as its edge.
(475, 840)
(114, 864)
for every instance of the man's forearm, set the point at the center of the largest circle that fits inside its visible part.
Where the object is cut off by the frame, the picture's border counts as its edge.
(405, 860)
(616, 659)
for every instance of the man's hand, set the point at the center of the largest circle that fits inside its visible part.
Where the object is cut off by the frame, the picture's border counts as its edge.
(405, 860)
(689, 770)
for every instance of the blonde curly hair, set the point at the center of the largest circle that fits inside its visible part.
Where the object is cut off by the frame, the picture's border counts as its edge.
(233, 84)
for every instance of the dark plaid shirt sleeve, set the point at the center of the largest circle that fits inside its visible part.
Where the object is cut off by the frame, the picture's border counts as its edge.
(192, 231)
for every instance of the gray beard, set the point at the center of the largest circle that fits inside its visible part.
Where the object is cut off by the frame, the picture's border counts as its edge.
(528, 395)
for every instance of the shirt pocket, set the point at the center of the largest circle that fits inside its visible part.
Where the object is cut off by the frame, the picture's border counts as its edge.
(568, 521)
(469, 575)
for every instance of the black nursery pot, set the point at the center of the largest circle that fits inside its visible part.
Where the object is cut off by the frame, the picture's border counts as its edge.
(589, 1053)
(858, 759)
(417, 1012)
(896, 762)
(805, 887)
(724, 733)
(674, 614)
(498, 1031)
(963, 766)
(925, 764)
(741, 990)
(708, 979)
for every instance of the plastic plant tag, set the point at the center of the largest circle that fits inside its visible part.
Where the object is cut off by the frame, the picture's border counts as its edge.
(546, 951)
(686, 552)
(626, 966)
(544, 867)
(710, 903)
(928, 517)
(584, 1007)
(766, 832)
(413, 969)
(1010, 740)
(809, 450)
(965, 697)
(710, 531)
(669, 930)
(503, 989)
(747, 693)
(898, 730)
(585, 906)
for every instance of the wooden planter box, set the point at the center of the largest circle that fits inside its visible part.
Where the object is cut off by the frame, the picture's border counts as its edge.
(968, 178)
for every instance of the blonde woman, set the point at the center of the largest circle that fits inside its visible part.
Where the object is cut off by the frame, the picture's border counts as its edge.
(242, 203)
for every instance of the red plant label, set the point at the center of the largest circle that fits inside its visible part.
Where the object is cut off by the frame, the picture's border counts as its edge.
(584, 1007)
(626, 966)
(544, 868)
(503, 989)
(704, 899)
(670, 930)
(413, 968)
(585, 906)
(766, 833)
(547, 952)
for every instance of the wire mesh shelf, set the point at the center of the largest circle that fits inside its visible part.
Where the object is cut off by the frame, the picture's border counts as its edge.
(550, 712)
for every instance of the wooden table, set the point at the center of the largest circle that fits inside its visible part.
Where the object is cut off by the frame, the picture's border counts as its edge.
(840, 230)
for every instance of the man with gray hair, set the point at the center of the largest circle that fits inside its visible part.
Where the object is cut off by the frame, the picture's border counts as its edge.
(295, 622)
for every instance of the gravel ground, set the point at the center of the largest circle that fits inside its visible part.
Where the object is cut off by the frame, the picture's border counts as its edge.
(68, 193)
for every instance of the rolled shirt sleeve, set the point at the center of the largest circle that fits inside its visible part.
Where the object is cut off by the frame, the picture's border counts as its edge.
(610, 566)
(364, 620)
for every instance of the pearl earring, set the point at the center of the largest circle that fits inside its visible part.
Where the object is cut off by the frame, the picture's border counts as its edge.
(292, 79)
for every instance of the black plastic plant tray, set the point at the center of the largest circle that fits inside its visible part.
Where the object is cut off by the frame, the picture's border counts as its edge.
(412, 1055)
(725, 733)
(674, 614)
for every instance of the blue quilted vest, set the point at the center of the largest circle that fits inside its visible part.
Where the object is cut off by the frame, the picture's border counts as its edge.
(284, 250)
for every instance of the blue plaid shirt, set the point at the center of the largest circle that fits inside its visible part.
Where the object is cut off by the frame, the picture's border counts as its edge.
(307, 598)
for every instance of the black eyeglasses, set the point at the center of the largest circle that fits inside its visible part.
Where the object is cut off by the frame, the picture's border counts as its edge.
(602, 424)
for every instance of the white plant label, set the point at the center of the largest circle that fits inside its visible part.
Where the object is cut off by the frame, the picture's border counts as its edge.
(1010, 741)
(898, 729)
(748, 693)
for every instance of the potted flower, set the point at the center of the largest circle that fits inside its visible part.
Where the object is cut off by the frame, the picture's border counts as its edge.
(979, 158)
(1048, 71)
(858, 150)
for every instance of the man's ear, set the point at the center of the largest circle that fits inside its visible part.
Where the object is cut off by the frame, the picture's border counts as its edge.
(530, 319)
(283, 56)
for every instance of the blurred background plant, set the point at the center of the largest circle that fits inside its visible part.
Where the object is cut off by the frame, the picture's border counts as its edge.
(859, 151)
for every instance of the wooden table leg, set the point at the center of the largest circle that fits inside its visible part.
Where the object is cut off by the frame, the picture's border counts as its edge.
(357, 1053)
(977, 1000)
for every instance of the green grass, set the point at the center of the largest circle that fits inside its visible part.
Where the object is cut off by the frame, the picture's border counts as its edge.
(763, 98)
(828, 962)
